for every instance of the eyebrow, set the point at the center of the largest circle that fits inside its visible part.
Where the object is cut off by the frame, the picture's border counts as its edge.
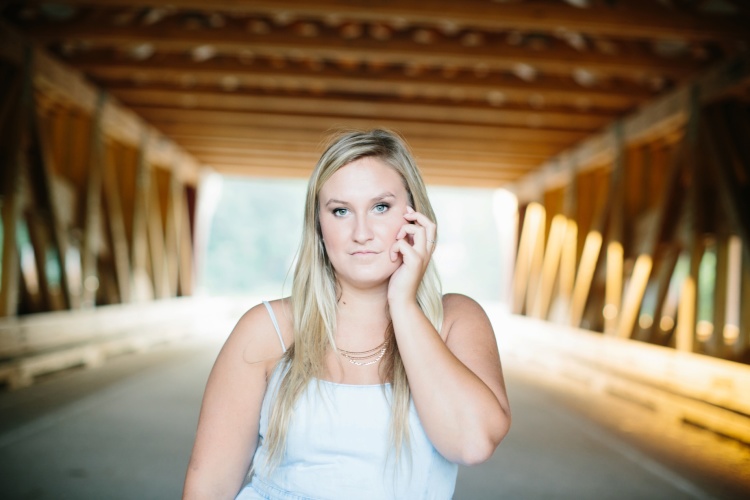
(377, 198)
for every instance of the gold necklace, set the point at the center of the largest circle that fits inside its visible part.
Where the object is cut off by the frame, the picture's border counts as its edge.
(365, 358)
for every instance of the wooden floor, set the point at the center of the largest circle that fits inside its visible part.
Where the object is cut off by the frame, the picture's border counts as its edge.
(124, 430)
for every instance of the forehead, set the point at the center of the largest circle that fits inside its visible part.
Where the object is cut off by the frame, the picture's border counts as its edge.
(363, 178)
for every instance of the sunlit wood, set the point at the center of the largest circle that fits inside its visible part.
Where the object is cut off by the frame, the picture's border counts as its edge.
(533, 225)
(685, 329)
(585, 274)
(550, 266)
(613, 289)
(537, 244)
(631, 303)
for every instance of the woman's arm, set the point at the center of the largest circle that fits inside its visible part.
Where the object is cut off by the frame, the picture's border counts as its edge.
(228, 425)
(456, 380)
(457, 384)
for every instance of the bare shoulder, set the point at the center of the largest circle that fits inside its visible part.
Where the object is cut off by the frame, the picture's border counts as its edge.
(460, 308)
(255, 338)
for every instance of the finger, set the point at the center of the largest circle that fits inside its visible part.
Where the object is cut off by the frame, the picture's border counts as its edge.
(423, 221)
(418, 234)
(408, 254)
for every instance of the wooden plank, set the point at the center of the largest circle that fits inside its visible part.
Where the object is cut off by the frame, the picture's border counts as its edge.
(170, 69)
(116, 223)
(186, 253)
(585, 276)
(92, 220)
(618, 20)
(143, 286)
(156, 239)
(311, 151)
(13, 140)
(170, 35)
(485, 146)
(550, 267)
(374, 110)
(172, 236)
(66, 86)
(666, 114)
(287, 126)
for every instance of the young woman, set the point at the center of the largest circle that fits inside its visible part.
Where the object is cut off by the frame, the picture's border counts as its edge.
(366, 382)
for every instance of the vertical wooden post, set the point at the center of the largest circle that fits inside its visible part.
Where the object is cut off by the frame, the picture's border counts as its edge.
(615, 250)
(521, 273)
(92, 223)
(156, 239)
(172, 233)
(584, 277)
(570, 243)
(186, 248)
(536, 257)
(689, 302)
(11, 195)
(116, 223)
(550, 266)
(143, 287)
(742, 346)
(715, 346)
(41, 167)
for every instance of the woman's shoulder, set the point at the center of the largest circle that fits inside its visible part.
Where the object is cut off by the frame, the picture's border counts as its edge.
(458, 308)
(257, 334)
(458, 304)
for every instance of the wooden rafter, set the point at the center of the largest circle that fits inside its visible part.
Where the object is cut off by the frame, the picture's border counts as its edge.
(170, 36)
(175, 70)
(619, 21)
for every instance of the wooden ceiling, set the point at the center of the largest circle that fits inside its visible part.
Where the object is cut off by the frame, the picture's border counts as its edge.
(484, 91)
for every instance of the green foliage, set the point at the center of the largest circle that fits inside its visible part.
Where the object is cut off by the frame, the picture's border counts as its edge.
(257, 225)
(254, 236)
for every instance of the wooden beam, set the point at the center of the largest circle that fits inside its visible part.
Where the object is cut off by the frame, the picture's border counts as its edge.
(371, 109)
(618, 21)
(143, 288)
(234, 37)
(659, 118)
(92, 220)
(116, 223)
(13, 140)
(156, 238)
(198, 146)
(65, 85)
(41, 168)
(174, 69)
(299, 127)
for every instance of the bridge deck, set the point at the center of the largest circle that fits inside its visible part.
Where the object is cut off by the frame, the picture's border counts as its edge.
(124, 430)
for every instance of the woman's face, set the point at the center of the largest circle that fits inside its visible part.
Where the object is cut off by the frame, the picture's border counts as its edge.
(361, 210)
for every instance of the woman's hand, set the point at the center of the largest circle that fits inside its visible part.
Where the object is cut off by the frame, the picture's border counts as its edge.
(415, 242)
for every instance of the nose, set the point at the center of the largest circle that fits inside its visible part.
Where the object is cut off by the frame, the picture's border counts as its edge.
(362, 230)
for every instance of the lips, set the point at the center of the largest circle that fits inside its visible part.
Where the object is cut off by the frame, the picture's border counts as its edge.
(364, 252)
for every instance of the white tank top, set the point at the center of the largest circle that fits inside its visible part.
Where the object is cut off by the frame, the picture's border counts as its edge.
(338, 447)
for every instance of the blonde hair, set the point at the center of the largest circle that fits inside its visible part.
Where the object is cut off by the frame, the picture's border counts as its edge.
(314, 290)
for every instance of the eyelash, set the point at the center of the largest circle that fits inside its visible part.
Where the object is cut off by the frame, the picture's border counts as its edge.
(337, 211)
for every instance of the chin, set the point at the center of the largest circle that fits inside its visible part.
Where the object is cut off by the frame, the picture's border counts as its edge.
(369, 279)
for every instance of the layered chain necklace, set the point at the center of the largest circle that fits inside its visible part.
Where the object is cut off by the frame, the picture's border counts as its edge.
(365, 358)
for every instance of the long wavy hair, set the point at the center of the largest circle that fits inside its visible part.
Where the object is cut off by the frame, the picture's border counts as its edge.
(314, 291)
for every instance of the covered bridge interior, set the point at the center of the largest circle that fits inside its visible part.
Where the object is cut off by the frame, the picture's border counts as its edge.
(622, 127)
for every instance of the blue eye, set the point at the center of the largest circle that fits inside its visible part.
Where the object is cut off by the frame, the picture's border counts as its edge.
(381, 208)
(340, 212)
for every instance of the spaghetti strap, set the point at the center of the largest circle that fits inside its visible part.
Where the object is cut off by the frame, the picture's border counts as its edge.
(275, 324)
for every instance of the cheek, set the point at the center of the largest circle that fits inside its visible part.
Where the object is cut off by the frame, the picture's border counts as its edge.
(391, 227)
